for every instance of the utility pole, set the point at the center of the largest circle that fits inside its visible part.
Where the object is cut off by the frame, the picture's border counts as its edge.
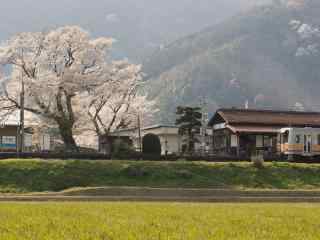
(21, 135)
(139, 133)
(20, 145)
(204, 123)
(166, 143)
(166, 121)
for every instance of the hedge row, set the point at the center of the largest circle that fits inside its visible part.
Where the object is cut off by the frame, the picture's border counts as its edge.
(138, 156)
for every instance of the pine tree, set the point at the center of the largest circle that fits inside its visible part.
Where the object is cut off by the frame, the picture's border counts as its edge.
(189, 122)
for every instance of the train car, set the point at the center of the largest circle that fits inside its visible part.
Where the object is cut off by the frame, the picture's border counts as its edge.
(293, 142)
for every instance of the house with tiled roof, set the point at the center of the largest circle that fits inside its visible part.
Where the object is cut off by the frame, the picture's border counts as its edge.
(244, 132)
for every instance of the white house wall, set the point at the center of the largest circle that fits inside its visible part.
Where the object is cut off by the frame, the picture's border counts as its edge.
(169, 134)
(173, 144)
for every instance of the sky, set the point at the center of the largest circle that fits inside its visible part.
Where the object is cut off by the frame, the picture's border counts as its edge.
(139, 26)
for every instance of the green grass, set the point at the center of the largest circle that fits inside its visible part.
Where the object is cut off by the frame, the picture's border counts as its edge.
(159, 221)
(21, 176)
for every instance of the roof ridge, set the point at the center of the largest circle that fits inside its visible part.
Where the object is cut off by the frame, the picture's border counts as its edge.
(266, 111)
(262, 117)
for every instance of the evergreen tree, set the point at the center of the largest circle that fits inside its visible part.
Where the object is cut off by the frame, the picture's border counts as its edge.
(189, 122)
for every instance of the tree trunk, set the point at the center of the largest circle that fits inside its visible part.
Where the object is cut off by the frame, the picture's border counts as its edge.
(66, 120)
(190, 141)
(104, 144)
(67, 137)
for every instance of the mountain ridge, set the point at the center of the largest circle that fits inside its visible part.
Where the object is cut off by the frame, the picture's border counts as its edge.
(248, 58)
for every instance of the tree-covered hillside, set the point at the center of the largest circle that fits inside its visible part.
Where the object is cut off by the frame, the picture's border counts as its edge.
(253, 57)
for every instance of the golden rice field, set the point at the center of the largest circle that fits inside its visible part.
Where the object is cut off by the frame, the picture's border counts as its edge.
(148, 221)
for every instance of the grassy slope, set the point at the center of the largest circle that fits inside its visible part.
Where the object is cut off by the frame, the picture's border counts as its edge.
(98, 221)
(39, 176)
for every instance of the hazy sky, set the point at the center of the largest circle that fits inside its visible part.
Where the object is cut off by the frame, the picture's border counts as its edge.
(140, 26)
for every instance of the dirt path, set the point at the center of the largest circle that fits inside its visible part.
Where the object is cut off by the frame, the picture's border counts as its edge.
(167, 194)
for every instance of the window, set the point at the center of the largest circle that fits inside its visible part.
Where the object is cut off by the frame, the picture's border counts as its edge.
(234, 141)
(220, 141)
(318, 139)
(286, 137)
(259, 141)
(267, 141)
(298, 139)
(219, 126)
(9, 141)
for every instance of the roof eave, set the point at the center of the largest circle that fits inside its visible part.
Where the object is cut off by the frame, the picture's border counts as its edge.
(218, 112)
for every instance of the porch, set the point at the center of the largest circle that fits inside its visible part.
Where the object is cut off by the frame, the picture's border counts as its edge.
(244, 141)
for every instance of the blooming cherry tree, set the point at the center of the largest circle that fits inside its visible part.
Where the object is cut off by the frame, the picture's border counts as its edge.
(70, 82)
(309, 38)
(118, 103)
(55, 68)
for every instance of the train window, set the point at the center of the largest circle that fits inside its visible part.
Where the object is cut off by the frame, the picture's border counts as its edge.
(286, 137)
(298, 139)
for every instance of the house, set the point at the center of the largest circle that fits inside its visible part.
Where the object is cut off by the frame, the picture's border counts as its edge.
(168, 135)
(9, 136)
(171, 141)
(35, 139)
(243, 132)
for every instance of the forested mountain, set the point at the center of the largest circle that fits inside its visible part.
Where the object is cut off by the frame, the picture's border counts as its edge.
(266, 57)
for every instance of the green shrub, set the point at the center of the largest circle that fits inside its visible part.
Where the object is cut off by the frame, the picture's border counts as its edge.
(122, 149)
(151, 145)
(258, 161)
